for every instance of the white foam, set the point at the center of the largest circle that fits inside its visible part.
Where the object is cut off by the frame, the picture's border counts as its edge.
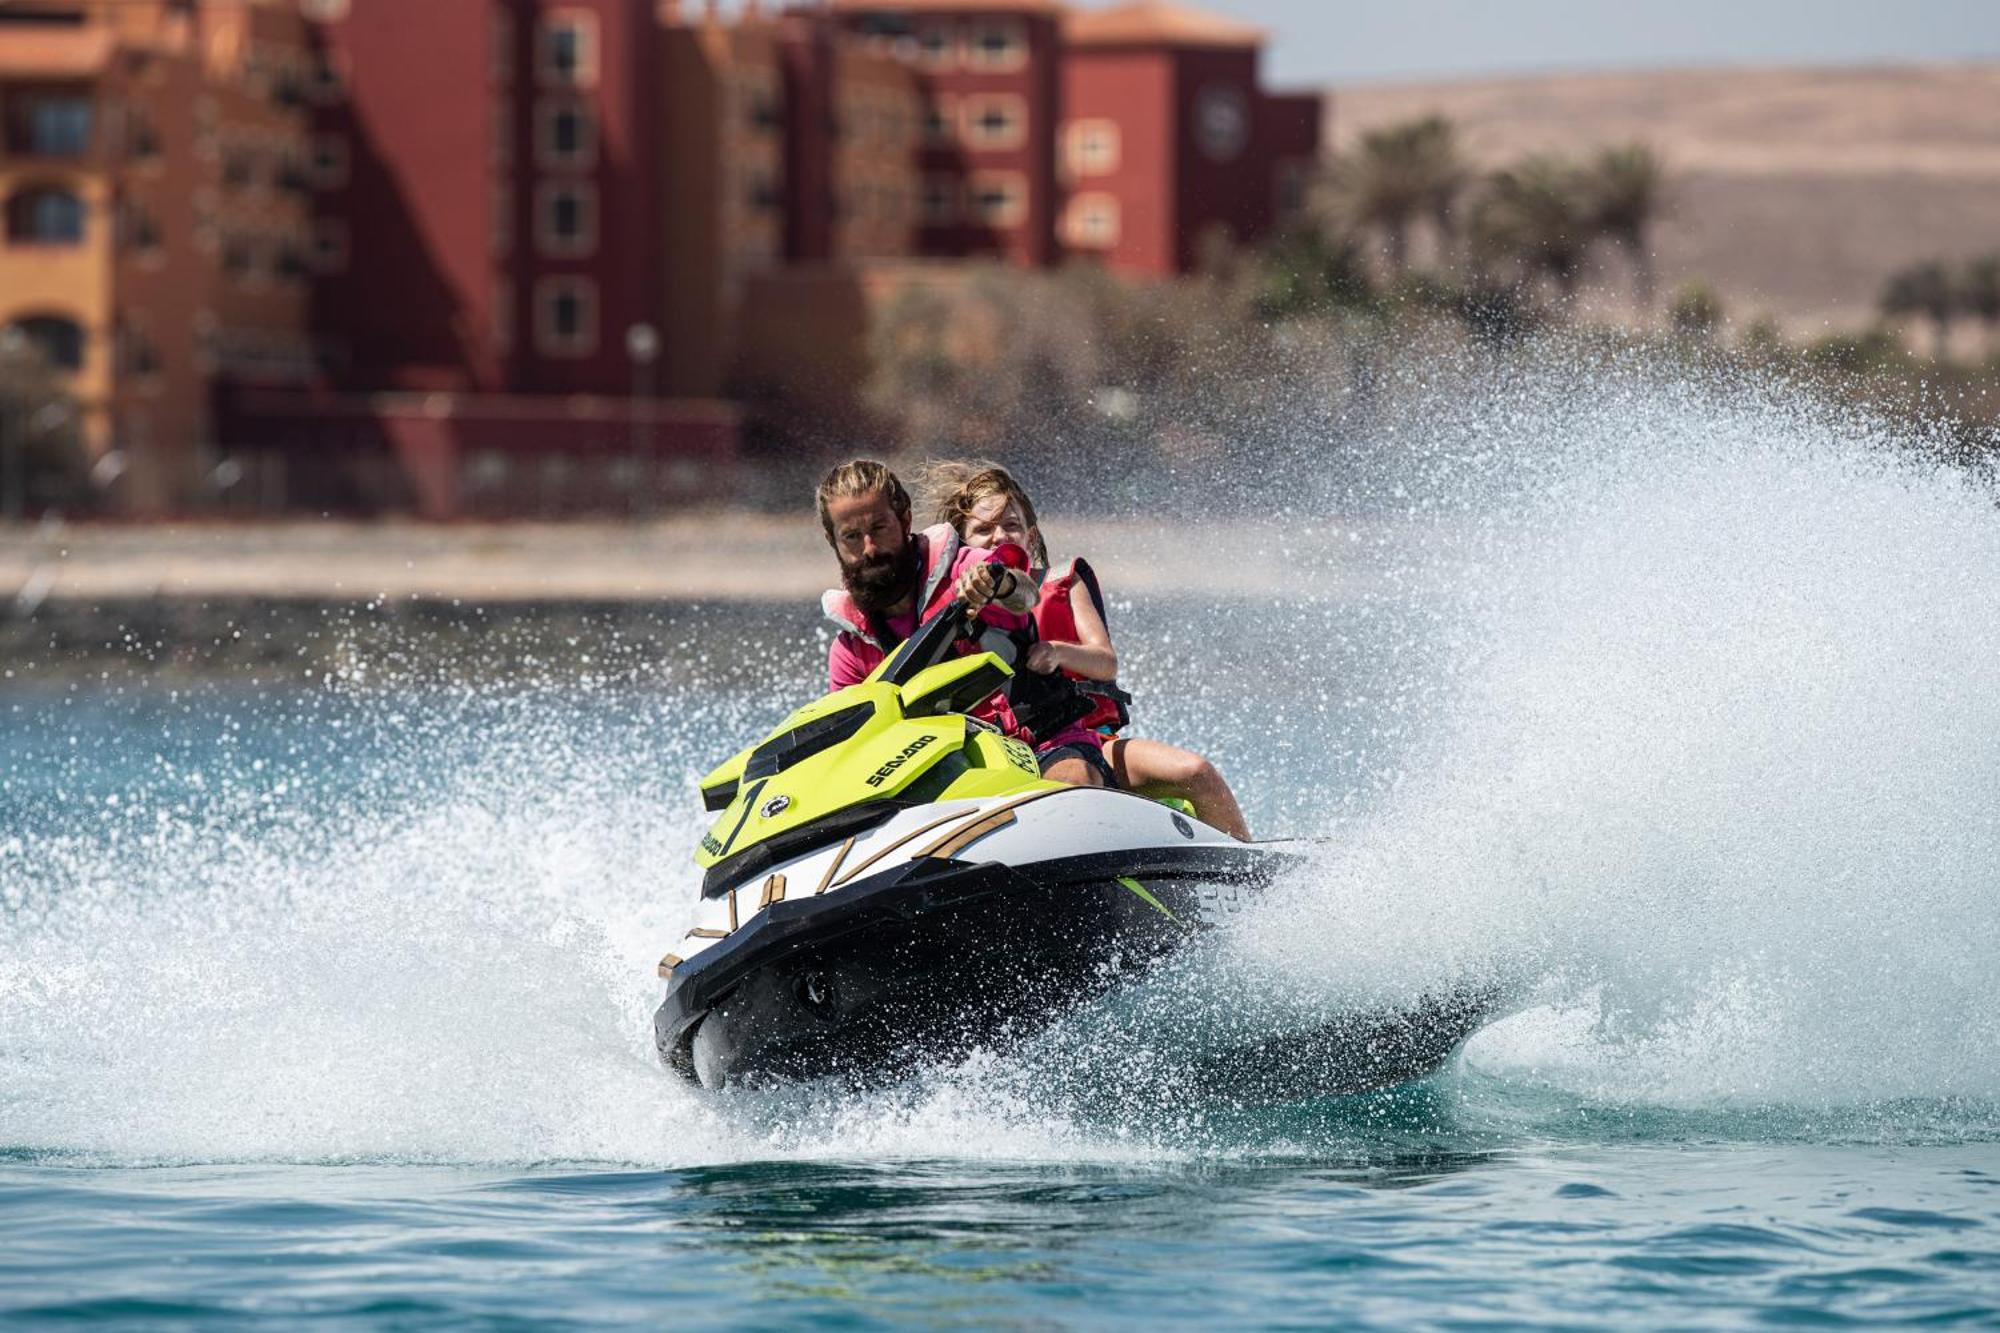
(1706, 770)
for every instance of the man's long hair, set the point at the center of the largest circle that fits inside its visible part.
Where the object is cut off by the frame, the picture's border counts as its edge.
(861, 476)
(880, 583)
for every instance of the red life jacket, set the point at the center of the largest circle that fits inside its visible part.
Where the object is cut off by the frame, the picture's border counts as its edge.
(1055, 622)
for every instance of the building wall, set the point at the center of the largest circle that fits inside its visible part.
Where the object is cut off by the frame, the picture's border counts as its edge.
(1121, 162)
(617, 264)
(943, 43)
(1226, 179)
(724, 165)
(406, 184)
(1201, 152)
(878, 120)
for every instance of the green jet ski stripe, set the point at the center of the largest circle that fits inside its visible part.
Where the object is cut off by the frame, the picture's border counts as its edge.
(1146, 896)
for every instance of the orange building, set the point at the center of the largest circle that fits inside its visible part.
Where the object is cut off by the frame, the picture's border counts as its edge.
(155, 219)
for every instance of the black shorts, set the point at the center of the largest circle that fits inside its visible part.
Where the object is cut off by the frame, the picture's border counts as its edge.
(1092, 755)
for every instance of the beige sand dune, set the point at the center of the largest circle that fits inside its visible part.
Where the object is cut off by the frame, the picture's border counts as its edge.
(1794, 192)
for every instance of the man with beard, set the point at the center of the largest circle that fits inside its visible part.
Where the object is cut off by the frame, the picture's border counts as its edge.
(893, 579)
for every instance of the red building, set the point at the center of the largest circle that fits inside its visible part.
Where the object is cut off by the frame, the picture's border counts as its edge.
(1168, 139)
(507, 254)
(489, 199)
(1129, 133)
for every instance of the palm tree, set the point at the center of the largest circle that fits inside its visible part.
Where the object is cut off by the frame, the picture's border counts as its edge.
(1540, 215)
(1398, 175)
(1626, 185)
(1923, 289)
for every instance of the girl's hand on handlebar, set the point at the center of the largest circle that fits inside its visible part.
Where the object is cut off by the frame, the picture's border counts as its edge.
(978, 585)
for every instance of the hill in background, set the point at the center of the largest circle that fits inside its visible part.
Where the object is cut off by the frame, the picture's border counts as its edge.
(1794, 193)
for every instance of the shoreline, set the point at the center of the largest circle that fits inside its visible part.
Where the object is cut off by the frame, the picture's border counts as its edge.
(745, 557)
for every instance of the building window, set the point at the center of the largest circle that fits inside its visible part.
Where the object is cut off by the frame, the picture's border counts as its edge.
(239, 257)
(1092, 147)
(938, 203)
(329, 245)
(996, 121)
(1091, 223)
(763, 193)
(324, 83)
(762, 108)
(54, 127)
(937, 44)
(565, 134)
(997, 44)
(566, 316)
(998, 199)
(940, 128)
(239, 167)
(567, 56)
(136, 354)
(136, 229)
(566, 218)
(45, 215)
(142, 141)
(59, 340)
(327, 165)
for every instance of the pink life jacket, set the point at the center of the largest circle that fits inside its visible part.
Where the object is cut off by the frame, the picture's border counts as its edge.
(1055, 622)
(937, 551)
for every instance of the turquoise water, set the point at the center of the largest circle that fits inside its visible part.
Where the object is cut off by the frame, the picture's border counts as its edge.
(324, 997)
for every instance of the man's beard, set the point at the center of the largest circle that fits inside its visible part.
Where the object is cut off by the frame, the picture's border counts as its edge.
(877, 583)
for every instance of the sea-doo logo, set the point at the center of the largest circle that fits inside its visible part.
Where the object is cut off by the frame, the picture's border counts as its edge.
(774, 807)
(710, 845)
(882, 774)
(1187, 829)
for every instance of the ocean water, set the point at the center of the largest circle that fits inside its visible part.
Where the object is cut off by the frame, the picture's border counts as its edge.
(325, 996)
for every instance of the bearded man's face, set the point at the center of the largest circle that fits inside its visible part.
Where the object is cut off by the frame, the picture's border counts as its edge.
(878, 561)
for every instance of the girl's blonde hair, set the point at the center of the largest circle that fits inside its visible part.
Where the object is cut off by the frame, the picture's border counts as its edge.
(956, 489)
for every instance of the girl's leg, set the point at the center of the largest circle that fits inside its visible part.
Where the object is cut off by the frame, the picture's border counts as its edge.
(1069, 762)
(1074, 771)
(1153, 768)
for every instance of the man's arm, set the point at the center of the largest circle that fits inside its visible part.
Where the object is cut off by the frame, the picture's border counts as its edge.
(848, 662)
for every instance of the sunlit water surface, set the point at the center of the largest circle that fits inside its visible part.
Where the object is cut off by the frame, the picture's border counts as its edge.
(327, 997)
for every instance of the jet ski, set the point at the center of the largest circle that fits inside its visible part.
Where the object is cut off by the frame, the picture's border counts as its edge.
(890, 881)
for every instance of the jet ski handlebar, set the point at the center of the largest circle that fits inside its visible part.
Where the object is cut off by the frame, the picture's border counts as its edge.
(935, 638)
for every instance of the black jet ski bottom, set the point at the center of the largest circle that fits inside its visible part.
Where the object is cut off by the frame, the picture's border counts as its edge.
(927, 961)
(931, 960)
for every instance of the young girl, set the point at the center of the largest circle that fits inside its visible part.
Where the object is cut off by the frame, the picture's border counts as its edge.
(988, 507)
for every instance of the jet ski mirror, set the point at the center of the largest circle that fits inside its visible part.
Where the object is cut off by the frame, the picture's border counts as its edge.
(957, 686)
